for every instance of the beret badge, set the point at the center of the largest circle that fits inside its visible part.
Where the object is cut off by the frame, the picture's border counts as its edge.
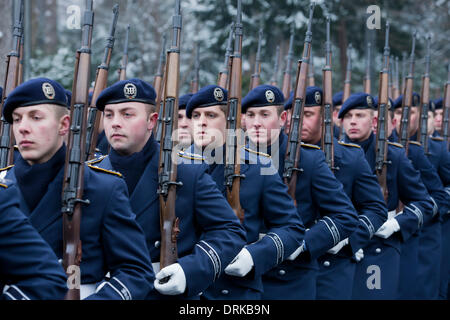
(369, 101)
(270, 96)
(218, 94)
(130, 91)
(318, 97)
(48, 90)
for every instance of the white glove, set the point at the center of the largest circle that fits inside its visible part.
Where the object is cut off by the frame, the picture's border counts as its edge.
(241, 264)
(359, 255)
(388, 228)
(176, 283)
(297, 252)
(338, 247)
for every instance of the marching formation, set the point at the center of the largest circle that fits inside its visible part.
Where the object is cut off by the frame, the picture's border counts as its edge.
(133, 191)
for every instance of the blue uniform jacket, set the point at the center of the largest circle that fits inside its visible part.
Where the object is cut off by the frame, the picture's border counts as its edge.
(111, 239)
(210, 233)
(28, 266)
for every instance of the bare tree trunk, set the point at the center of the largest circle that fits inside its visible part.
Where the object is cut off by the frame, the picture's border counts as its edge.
(5, 35)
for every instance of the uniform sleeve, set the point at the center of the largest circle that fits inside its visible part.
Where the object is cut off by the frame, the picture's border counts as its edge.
(414, 196)
(127, 258)
(369, 203)
(29, 268)
(338, 216)
(222, 236)
(285, 229)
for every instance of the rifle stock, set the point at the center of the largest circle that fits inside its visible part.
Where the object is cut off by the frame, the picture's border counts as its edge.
(195, 80)
(124, 63)
(446, 115)
(256, 76)
(287, 76)
(223, 74)
(274, 80)
(422, 131)
(159, 85)
(368, 79)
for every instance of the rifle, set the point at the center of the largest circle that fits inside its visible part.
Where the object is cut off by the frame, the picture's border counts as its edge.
(311, 81)
(195, 79)
(232, 167)
(407, 100)
(396, 88)
(403, 72)
(124, 63)
(21, 50)
(11, 82)
(422, 131)
(381, 144)
(256, 76)
(446, 122)
(287, 77)
(223, 75)
(347, 84)
(327, 109)
(101, 82)
(367, 78)
(274, 80)
(167, 172)
(158, 84)
(391, 78)
(73, 183)
(292, 158)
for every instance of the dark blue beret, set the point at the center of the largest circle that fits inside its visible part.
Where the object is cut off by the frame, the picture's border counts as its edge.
(1, 92)
(208, 96)
(390, 103)
(337, 98)
(313, 98)
(90, 97)
(69, 97)
(438, 103)
(358, 100)
(34, 92)
(261, 96)
(416, 101)
(183, 101)
(431, 106)
(132, 90)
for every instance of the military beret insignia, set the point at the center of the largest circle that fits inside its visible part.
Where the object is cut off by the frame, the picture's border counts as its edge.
(130, 91)
(270, 96)
(48, 90)
(218, 94)
(318, 97)
(369, 101)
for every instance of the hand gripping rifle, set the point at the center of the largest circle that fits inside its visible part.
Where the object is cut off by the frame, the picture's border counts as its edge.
(274, 80)
(381, 144)
(195, 79)
(422, 132)
(446, 122)
(223, 75)
(287, 77)
(292, 158)
(73, 183)
(169, 223)
(232, 155)
(11, 82)
(327, 110)
(407, 100)
(367, 78)
(256, 76)
(124, 63)
(347, 85)
(101, 82)
(158, 84)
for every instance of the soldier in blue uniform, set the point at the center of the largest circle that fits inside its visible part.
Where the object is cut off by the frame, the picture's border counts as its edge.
(321, 201)
(184, 123)
(429, 240)
(210, 233)
(268, 209)
(438, 116)
(335, 278)
(337, 105)
(377, 274)
(29, 269)
(112, 241)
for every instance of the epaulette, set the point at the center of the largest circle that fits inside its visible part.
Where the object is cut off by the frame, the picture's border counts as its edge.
(257, 152)
(415, 142)
(105, 170)
(312, 146)
(395, 144)
(7, 168)
(437, 138)
(96, 160)
(349, 144)
(190, 156)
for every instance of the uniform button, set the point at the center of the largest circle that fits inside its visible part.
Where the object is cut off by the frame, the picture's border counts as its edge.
(281, 272)
(326, 263)
(224, 291)
(377, 250)
(157, 244)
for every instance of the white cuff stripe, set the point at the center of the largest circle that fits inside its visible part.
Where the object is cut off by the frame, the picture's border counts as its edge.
(435, 207)
(219, 262)
(216, 271)
(278, 245)
(20, 292)
(364, 219)
(418, 214)
(118, 292)
(127, 292)
(334, 230)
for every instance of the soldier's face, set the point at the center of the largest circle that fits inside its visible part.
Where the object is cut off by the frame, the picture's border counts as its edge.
(438, 115)
(336, 120)
(263, 124)
(184, 128)
(39, 131)
(413, 122)
(312, 126)
(208, 126)
(358, 124)
(128, 126)
(430, 122)
(398, 118)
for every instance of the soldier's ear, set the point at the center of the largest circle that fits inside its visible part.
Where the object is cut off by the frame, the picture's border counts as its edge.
(64, 125)
(283, 118)
(152, 119)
